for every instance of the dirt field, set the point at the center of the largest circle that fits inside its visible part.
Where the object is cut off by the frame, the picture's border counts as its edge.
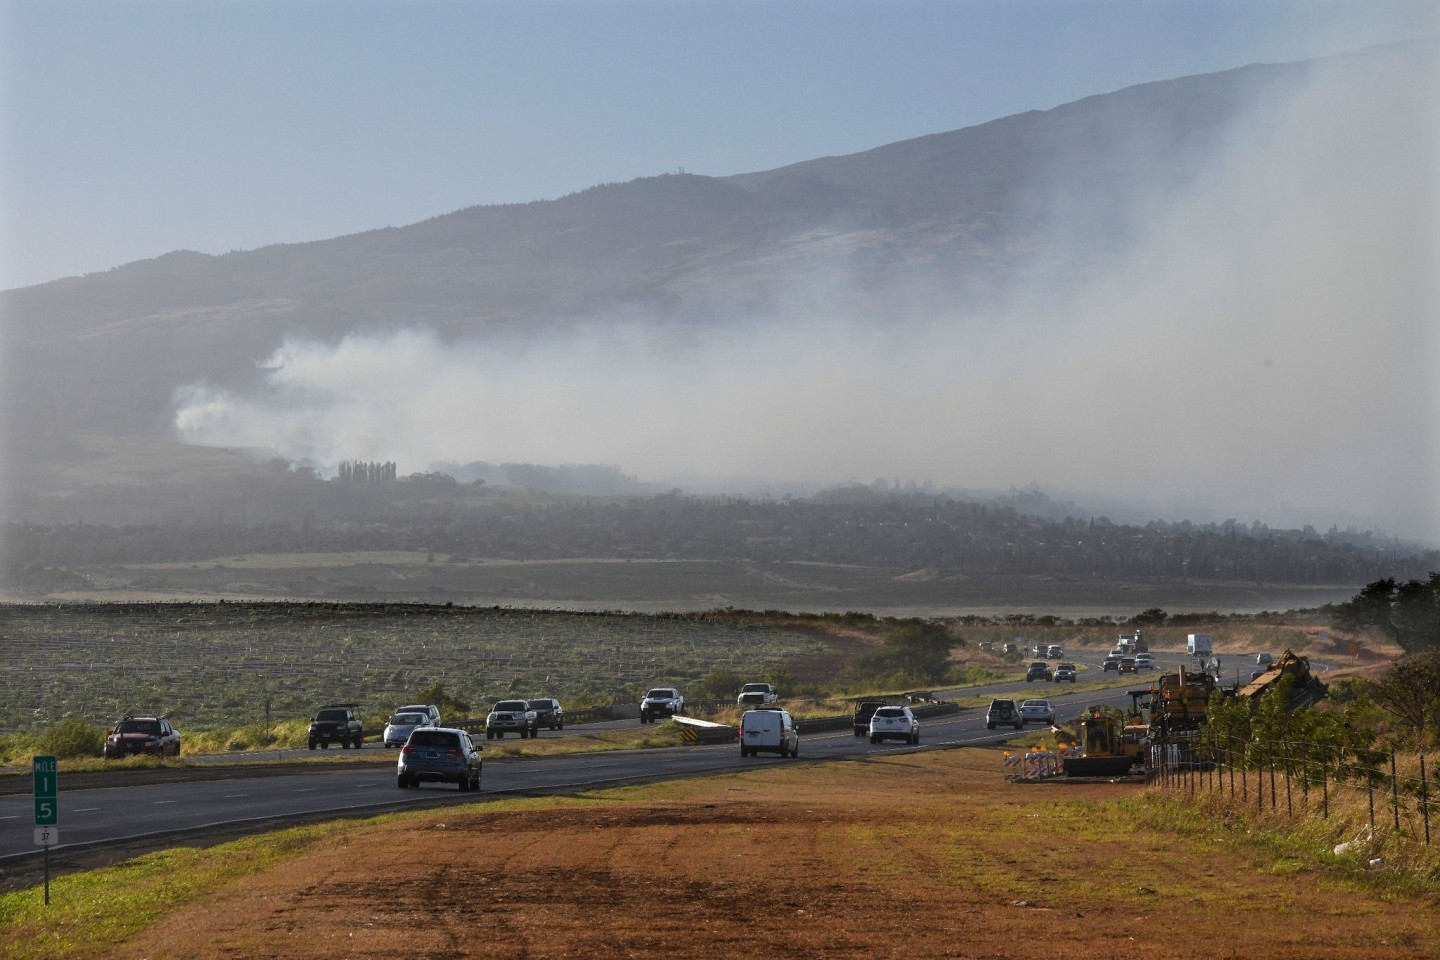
(931, 855)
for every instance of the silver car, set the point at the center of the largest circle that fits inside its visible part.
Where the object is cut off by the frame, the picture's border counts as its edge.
(1037, 711)
(894, 723)
(398, 730)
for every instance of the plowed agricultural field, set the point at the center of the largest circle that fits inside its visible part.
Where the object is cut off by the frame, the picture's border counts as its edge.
(913, 855)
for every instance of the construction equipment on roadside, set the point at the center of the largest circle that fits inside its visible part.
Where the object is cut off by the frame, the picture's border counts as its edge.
(1111, 742)
(1305, 688)
(1178, 702)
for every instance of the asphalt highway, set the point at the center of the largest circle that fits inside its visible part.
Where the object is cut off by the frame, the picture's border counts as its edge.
(168, 812)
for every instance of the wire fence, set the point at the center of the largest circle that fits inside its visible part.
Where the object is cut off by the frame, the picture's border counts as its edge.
(1400, 791)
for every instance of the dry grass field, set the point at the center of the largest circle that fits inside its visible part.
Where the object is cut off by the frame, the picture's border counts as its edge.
(928, 855)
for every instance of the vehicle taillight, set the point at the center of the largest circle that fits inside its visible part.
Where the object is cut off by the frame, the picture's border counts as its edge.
(405, 749)
(457, 754)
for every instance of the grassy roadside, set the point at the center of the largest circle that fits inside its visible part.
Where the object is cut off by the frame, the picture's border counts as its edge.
(834, 840)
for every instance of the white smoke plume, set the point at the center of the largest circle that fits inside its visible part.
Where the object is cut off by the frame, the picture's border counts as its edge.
(1268, 349)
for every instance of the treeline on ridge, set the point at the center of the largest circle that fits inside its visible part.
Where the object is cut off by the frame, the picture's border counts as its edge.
(913, 532)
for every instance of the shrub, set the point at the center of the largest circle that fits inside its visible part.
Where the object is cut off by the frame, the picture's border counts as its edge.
(73, 738)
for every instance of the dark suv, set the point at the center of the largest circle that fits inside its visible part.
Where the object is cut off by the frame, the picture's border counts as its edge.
(337, 723)
(1004, 712)
(1039, 670)
(864, 710)
(548, 713)
(148, 735)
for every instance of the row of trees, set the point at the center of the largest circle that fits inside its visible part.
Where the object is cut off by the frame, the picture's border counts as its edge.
(911, 533)
(1408, 612)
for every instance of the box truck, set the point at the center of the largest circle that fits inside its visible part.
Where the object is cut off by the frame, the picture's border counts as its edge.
(1198, 645)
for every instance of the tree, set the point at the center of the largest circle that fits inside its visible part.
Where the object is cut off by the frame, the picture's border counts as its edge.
(916, 651)
(1410, 692)
(447, 702)
(1153, 617)
(719, 684)
(1408, 613)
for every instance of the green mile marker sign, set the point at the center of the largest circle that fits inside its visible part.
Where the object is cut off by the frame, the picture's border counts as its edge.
(47, 810)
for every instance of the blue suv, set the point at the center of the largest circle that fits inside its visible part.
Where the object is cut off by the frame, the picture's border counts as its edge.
(439, 753)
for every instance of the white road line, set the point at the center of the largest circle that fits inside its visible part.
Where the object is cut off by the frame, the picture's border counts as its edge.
(161, 803)
(234, 796)
(84, 809)
(14, 816)
(304, 789)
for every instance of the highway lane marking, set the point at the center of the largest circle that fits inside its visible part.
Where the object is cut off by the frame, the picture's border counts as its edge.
(161, 803)
(13, 816)
(84, 809)
(234, 796)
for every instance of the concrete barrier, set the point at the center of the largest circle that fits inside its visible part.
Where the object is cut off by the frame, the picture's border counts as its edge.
(703, 731)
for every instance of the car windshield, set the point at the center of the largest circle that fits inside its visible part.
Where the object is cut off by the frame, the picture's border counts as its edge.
(406, 719)
(1042, 704)
(138, 726)
(890, 712)
(433, 738)
(661, 693)
(511, 705)
(755, 688)
(539, 704)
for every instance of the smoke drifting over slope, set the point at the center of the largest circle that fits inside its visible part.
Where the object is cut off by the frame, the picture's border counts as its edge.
(1266, 347)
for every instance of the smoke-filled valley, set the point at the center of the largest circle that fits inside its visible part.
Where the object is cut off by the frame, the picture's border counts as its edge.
(1202, 299)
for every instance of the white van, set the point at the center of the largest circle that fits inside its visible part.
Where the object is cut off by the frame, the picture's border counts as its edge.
(772, 730)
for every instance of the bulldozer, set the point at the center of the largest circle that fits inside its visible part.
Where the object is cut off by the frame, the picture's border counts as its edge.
(1305, 689)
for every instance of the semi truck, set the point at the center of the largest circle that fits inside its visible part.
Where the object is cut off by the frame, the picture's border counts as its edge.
(1199, 644)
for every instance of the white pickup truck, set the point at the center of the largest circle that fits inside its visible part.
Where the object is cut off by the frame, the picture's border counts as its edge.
(757, 695)
(661, 702)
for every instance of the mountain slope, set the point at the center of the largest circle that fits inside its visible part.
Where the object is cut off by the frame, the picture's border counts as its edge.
(963, 214)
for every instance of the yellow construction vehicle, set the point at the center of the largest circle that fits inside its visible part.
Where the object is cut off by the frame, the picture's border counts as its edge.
(1111, 742)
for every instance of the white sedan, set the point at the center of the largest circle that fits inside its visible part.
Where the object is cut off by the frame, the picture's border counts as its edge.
(1037, 711)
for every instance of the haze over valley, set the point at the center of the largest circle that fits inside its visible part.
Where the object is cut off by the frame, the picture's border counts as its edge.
(1205, 298)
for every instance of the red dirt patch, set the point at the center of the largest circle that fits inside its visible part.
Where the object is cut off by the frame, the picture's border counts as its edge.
(931, 855)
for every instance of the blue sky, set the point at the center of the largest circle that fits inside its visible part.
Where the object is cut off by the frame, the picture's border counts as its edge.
(134, 128)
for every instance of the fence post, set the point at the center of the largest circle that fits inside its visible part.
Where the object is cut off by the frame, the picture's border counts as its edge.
(1325, 785)
(1230, 765)
(1259, 785)
(1289, 809)
(1370, 790)
(1424, 800)
(1394, 790)
(1271, 757)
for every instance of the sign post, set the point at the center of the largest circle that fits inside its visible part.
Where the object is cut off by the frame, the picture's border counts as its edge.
(47, 810)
